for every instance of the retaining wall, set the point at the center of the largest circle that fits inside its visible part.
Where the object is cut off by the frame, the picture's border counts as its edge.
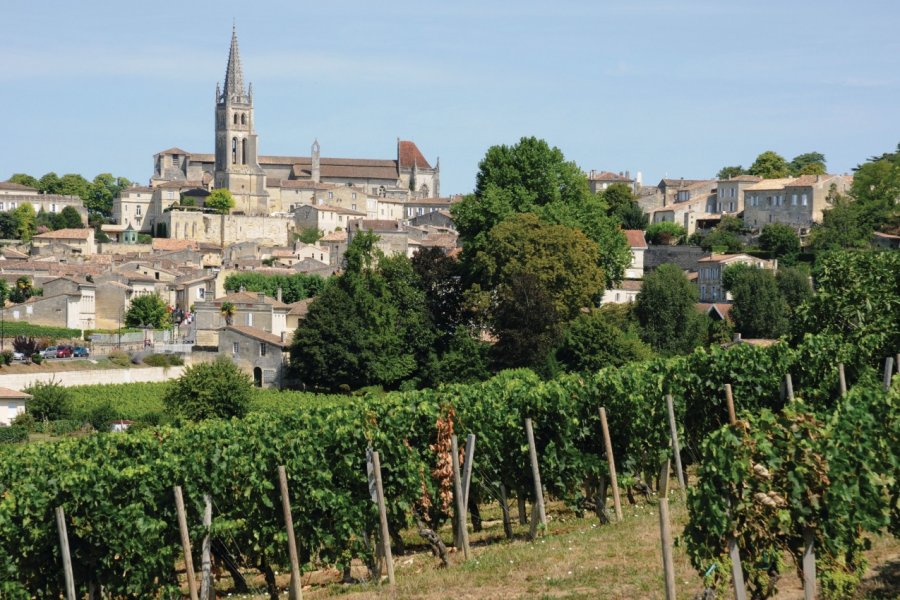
(20, 381)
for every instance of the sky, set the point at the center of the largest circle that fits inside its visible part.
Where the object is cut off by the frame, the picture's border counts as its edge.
(670, 89)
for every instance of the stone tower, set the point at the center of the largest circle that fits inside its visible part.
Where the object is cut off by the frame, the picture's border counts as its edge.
(237, 157)
(314, 158)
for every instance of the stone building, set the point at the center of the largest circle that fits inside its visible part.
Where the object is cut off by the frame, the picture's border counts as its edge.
(13, 195)
(711, 268)
(66, 302)
(259, 353)
(68, 241)
(798, 202)
(263, 185)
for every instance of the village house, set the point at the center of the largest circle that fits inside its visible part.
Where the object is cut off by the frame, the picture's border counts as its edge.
(599, 181)
(66, 302)
(12, 404)
(324, 217)
(797, 202)
(709, 276)
(258, 353)
(251, 309)
(628, 289)
(13, 195)
(730, 193)
(74, 241)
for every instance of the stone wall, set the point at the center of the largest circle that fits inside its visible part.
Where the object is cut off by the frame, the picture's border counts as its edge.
(20, 381)
(685, 257)
(228, 229)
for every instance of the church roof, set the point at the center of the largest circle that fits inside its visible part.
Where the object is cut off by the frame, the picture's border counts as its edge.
(346, 168)
(174, 150)
(408, 154)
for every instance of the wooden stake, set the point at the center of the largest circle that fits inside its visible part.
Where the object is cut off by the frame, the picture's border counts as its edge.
(467, 468)
(809, 564)
(888, 371)
(613, 480)
(729, 399)
(676, 448)
(523, 510)
(66, 557)
(789, 387)
(737, 573)
(296, 591)
(462, 532)
(665, 531)
(382, 513)
(207, 590)
(536, 472)
(504, 506)
(843, 379)
(185, 543)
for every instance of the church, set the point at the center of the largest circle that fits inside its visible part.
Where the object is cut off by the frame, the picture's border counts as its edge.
(269, 185)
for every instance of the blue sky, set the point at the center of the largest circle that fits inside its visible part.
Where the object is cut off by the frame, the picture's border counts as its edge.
(674, 89)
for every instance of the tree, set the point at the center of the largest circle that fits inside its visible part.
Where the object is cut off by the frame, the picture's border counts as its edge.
(532, 177)
(811, 163)
(721, 240)
(310, 235)
(4, 292)
(758, 309)
(9, 225)
(25, 221)
(49, 183)
(220, 200)
(73, 184)
(541, 275)
(665, 233)
(596, 339)
(795, 287)
(69, 219)
(769, 165)
(876, 188)
(729, 172)
(465, 360)
(216, 390)
(369, 326)
(842, 226)
(147, 311)
(24, 179)
(22, 290)
(50, 401)
(440, 277)
(623, 206)
(666, 310)
(781, 242)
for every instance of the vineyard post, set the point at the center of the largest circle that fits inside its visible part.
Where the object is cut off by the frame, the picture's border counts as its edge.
(504, 506)
(729, 400)
(613, 480)
(520, 503)
(676, 448)
(888, 371)
(296, 582)
(809, 564)
(382, 513)
(207, 590)
(66, 557)
(467, 468)
(737, 572)
(536, 472)
(462, 532)
(185, 543)
(665, 531)
(843, 379)
(789, 387)
(897, 362)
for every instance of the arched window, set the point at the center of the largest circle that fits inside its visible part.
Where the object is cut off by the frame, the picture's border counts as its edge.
(234, 144)
(235, 118)
(243, 118)
(243, 152)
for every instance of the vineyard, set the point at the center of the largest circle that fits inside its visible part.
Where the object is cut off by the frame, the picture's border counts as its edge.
(824, 465)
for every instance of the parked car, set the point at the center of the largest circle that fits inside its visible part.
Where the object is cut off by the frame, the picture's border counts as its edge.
(49, 352)
(18, 355)
(80, 352)
(64, 352)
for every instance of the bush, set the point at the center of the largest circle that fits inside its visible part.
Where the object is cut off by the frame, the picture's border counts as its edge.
(13, 434)
(119, 358)
(210, 390)
(6, 357)
(50, 401)
(101, 416)
(24, 419)
(163, 360)
(64, 426)
(36, 358)
(665, 233)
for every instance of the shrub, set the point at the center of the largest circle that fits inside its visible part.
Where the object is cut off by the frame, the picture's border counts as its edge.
(101, 416)
(24, 419)
(6, 357)
(210, 390)
(13, 434)
(163, 360)
(36, 358)
(119, 358)
(64, 426)
(665, 233)
(50, 401)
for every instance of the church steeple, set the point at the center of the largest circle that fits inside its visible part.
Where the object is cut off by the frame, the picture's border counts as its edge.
(234, 75)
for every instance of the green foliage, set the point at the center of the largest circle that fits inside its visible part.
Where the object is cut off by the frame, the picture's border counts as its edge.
(22, 290)
(795, 287)
(23, 328)
(876, 188)
(770, 165)
(810, 163)
(729, 172)
(720, 240)
(532, 177)
(69, 219)
(148, 311)
(465, 359)
(37, 358)
(758, 309)
(293, 287)
(50, 401)
(665, 233)
(6, 357)
(780, 241)
(209, 390)
(24, 217)
(622, 205)
(13, 434)
(220, 200)
(310, 235)
(598, 339)
(665, 308)
(163, 360)
(119, 358)
(842, 226)
(24, 179)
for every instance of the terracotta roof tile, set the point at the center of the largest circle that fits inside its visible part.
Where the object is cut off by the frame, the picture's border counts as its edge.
(259, 334)
(66, 234)
(410, 155)
(171, 245)
(9, 394)
(635, 238)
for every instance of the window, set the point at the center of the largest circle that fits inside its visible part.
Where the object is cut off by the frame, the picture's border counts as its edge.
(234, 149)
(703, 291)
(235, 118)
(733, 190)
(330, 195)
(793, 199)
(250, 319)
(201, 293)
(53, 208)
(243, 118)
(235, 348)
(353, 205)
(353, 196)
(243, 152)
(137, 210)
(262, 348)
(803, 199)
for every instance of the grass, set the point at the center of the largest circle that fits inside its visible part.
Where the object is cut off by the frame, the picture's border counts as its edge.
(576, 558)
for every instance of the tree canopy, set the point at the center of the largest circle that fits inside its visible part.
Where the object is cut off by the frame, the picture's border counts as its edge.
(600, 338)
(666, 310)
(218, 389)
(220, 200)
(781, 241)
(758, 308)
(147, 311)
(770, 165)
(622, 206)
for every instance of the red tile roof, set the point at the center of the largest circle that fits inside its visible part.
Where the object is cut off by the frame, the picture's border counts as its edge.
(170, 245)
(408, 154)
(7, 394)
(65, 234)
(635, 238)
(259, 334)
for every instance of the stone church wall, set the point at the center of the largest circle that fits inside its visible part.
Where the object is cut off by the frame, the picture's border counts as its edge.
(228, 229)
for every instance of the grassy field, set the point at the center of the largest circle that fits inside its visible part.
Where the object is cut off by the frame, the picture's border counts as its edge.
(577, 558)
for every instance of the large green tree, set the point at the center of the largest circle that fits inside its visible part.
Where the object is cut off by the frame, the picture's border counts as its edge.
(622, 205)
(758, 308)
(538, 276)
(25, 179)
(842, 226)
(25, 218)
(369, 326)
(220, 200)
(810, 163)
(781, 241)
(532, 177)
(147, 311)
(666, 310)
(770, 165)
(218, 389)
(729, 172)
(598, 339)
(876, 188)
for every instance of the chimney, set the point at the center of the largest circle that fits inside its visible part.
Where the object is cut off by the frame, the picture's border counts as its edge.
(627, 174)
(261, 296)
(242, 289)
(283, 336)
(278, 295)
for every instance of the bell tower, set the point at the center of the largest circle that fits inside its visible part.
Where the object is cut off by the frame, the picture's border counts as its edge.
(237, 158)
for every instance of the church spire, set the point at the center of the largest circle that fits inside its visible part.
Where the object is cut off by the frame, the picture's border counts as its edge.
(234, 75)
